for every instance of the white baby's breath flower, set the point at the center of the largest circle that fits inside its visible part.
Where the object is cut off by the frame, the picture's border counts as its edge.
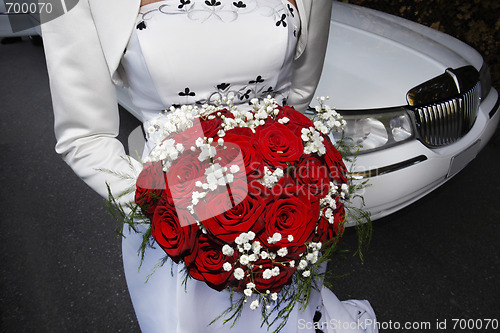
(264, 255)
(247, 246)
(199, 142)
(239, 240)
(306, 273)
(284, 120)
(321, 127)
(305, 134)
(256, 247)
(274, 296)
(244, 260)
(179, 147)
(267, 274)
(239, 273)
(227, 250)
(312, 257)
(282, 252)
(250, 285)
(302, 264)
(196, 196)
(248, 292)
(290, 238)
(277, 237)
(227, 266)
(254, 305)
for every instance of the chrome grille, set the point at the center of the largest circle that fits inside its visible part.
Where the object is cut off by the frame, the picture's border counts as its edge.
(443, 123)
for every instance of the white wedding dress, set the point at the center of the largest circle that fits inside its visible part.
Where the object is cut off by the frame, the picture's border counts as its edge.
(194, 52)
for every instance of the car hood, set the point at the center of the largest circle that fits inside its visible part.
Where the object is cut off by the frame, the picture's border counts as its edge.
(373, 58)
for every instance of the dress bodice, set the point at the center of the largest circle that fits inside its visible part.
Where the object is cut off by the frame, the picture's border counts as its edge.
(197, 51)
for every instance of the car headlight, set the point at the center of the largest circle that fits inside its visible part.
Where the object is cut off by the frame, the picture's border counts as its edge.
(376, 129)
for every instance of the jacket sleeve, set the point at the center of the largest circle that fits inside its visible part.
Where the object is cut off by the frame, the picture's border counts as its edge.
(84, 102)
(311, 51)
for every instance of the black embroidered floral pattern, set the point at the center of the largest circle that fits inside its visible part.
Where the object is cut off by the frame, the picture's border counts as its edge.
(184, 3)
(187, 92)
(254, 88)
(239, 4)
(212, 3)
(282, 21)
(245, 95)
(316, 320)
(259, 79)
(141, 25)
(269, 91)
(223, 86)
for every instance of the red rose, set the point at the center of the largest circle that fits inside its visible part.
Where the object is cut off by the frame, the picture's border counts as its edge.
(278, 144)
(206, 263)
(274, 283)
(263, 192)
(286, 186)
(240, 145)
(312, 173)
(230, 216)
(293, 213)
(297, 121)
(175, 231)
(333, 159)
(327, 231)
(211, 126)
(150, 187)
(182, 177)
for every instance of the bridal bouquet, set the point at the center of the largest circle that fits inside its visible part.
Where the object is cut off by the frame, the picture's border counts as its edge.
(249, 200)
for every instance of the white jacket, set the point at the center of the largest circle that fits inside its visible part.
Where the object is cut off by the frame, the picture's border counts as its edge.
(83, 49)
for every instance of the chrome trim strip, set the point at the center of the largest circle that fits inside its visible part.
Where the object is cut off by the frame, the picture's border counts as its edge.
(387, 169)
(495, 107)
(455, 78)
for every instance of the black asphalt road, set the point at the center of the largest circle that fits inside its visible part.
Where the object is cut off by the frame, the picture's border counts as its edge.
(60, 258)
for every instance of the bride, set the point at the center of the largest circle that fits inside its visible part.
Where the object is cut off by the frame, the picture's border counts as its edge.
(175, 52)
